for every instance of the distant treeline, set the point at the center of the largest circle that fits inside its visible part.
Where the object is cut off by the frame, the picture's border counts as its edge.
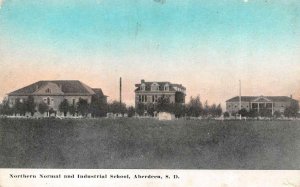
(98, 108)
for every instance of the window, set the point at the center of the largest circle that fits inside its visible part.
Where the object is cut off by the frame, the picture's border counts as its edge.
(143, 87)
(48, 90)
(143, 98)
(48, 101)
(254, 105)
(166, 87)
(268, 105)
(154, 87)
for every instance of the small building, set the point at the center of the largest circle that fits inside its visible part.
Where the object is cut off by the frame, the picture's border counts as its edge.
(163, 116)
(150, 92)
(53, 92)
(257, 103)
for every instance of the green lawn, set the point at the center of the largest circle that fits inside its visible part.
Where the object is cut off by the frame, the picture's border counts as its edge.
(147, 143)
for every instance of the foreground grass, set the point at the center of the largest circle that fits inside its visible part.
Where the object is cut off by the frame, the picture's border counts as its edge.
(146, 143)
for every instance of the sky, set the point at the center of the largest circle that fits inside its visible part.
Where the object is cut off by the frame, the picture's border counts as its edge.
(207, 46)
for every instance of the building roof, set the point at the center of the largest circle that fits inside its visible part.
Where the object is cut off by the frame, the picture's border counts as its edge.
(98, 91)
(68, 87)
(253, 98)
(161, 85)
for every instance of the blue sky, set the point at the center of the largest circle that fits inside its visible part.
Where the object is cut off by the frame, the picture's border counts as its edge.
(154, 41)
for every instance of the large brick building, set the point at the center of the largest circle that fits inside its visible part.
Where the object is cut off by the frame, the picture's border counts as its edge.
(271, 103)
(53, 92)
(149, 92)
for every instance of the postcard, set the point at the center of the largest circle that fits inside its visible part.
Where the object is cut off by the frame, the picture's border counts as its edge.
(149, 93)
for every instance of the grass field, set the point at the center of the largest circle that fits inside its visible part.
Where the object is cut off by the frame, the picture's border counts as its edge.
(148, 143)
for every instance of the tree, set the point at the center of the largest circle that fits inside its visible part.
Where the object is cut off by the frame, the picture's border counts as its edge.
(5, 109)
(178, 109)
(212, 110)
(264, 112)
(194, 107)
(226, 114)
(30, 105)
(83, 107)
(163, 104)
(72, 110)
(43, 107)
(219, 110)
(52, 111)
(206, 109)
(243, 112)
(253, 113)
(98, 106)
(131, 111)
(20, 107)
(150, 108)
(277, 114)
(64, 107)
(117, 108)
(292, 110)
(140, 109)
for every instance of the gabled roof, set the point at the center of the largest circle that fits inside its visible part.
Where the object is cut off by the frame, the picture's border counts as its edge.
(68, 87)
(160, 84)
(98, 91)
(253, 98)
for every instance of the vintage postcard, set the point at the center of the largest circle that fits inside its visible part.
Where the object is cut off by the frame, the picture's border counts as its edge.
(149, 92)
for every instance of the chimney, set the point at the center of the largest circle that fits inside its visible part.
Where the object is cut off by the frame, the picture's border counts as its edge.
(142, 81)
(291, 96)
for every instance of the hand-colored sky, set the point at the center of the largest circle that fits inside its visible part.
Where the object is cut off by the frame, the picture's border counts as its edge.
(205, 45)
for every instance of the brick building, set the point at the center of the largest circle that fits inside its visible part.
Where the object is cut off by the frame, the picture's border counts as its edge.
(53, 92)
(271, 103)
(149, 92)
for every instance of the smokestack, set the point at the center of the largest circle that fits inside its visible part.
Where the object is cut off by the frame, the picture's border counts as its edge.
(120, 90)
(240, 95)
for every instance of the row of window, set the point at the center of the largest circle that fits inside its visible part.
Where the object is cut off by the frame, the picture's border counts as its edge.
(255, 105)
(145, 98)
(155, 87)
(47, 100)
(51, 101)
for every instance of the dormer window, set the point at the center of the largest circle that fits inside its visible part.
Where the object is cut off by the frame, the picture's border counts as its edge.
(143, 87)
(154, 87)
(166, 87)
(48, 90)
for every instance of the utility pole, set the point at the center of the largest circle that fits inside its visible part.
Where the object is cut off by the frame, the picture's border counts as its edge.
(120, 91)
(240, 95)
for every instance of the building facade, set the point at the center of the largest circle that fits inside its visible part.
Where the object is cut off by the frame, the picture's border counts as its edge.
(54, 92)
(257, 103)
(150, 92)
